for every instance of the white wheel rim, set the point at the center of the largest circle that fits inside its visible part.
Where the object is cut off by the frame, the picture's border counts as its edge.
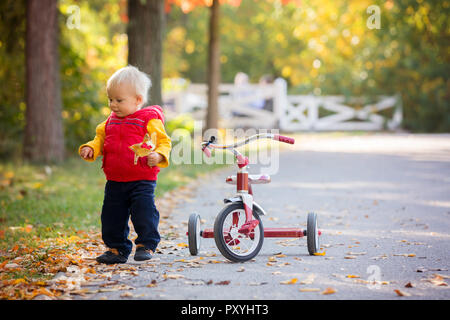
(197, 232)
(316, 236)
(246, 245)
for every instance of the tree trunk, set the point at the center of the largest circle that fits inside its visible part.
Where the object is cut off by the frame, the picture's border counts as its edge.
(213, 76)
(44, 138)
(145, 29)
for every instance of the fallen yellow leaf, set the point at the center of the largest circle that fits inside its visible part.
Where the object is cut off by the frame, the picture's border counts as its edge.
(291, 281)
(43, 291)
(329, 291)
(352, 276)
(19, 281)
(183, 245)
(319, 253)
(214, 261)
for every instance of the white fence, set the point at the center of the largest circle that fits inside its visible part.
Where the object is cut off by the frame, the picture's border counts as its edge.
(267, 106)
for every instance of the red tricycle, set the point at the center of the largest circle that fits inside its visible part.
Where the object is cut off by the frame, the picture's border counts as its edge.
(238, 229)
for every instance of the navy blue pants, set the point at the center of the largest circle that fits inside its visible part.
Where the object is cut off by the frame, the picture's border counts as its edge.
(125, 199)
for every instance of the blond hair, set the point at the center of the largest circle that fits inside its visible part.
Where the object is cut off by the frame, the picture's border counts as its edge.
(133, 76)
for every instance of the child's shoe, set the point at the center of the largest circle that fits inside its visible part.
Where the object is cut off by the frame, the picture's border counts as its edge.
(142, 253)
(111, 256)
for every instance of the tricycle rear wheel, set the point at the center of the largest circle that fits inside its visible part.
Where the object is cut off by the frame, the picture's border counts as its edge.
(194, 233)
(312, 233)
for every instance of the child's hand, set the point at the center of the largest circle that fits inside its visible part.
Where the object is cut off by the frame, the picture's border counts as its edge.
(87, 153)
(154, 158)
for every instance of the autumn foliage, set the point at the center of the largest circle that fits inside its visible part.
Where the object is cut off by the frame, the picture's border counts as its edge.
(189, 5)
(27, 270)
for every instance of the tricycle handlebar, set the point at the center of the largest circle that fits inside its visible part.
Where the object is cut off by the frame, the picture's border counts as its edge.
(277, 137)
(284, 139)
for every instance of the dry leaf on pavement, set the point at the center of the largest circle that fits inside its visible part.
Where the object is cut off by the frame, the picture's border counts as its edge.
(309, 289)
(356, 253)
(152, 284)
(402, 293)
(329, 291)
(291, 281)
(309, 279)
(173, 276)
(437, 280)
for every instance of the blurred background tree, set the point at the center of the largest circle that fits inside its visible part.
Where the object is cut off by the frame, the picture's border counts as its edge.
(213, 71)
(321, 48)
(12, 76)
(44, 138)
(145, 31)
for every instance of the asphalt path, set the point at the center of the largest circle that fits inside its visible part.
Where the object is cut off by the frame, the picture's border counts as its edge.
(383, 204)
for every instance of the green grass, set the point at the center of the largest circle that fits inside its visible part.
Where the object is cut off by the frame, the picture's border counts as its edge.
(66, 200)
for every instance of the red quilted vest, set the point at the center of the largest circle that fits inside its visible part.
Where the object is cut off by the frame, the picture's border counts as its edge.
(120, 133)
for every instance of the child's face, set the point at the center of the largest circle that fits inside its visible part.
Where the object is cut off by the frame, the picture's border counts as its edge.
(123, 100)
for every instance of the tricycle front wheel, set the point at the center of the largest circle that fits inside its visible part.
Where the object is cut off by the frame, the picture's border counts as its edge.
(236, 246)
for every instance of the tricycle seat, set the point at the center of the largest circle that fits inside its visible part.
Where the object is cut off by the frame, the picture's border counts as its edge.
(252, 179)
